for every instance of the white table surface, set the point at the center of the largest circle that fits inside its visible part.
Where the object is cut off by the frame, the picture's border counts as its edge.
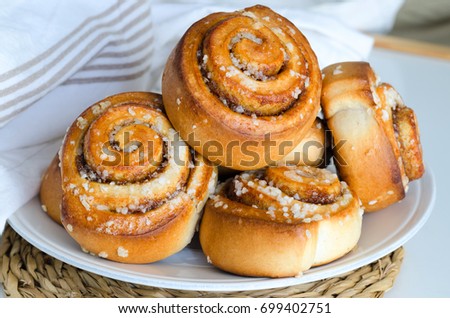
(424, 84)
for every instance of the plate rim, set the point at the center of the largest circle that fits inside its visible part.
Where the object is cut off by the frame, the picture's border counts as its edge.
(425, 204)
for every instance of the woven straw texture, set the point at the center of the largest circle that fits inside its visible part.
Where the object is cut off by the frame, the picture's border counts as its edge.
(28, 272)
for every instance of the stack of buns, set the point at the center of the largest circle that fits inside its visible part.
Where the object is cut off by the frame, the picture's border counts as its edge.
(236, 148)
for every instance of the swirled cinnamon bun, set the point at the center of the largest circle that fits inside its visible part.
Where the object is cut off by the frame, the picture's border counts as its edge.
(379, 150)
(240, 84)
(132, 190)
(280, 221)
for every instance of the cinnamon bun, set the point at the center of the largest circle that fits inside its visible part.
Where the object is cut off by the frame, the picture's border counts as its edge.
(280, 221)
(242, 88)
(133, 191)
(379, 150)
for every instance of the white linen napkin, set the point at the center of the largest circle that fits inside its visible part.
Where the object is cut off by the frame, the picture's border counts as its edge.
(58, 58)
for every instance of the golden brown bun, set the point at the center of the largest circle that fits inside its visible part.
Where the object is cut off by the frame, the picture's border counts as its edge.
(51, 192)
(279, 222)
(244, 82)
(132, 191)
(376, 134)
(311, 150)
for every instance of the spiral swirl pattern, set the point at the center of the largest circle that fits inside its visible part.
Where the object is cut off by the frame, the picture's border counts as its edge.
(255, 68)
(280, 221)
(126, 174)
(245, 73)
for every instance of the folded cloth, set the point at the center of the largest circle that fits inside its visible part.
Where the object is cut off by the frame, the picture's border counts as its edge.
(47, 42)
(59, 57)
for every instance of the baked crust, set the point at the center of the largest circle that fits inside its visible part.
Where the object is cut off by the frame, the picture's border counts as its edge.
(120, 202)
(252, 228)
(237, 81)
(50, 192)
(312, 149)
(372, 127)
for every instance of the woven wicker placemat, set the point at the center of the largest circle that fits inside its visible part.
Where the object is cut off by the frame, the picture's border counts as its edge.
(28, 272)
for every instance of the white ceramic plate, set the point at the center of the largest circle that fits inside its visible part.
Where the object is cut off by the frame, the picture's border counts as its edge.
(382, 233)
